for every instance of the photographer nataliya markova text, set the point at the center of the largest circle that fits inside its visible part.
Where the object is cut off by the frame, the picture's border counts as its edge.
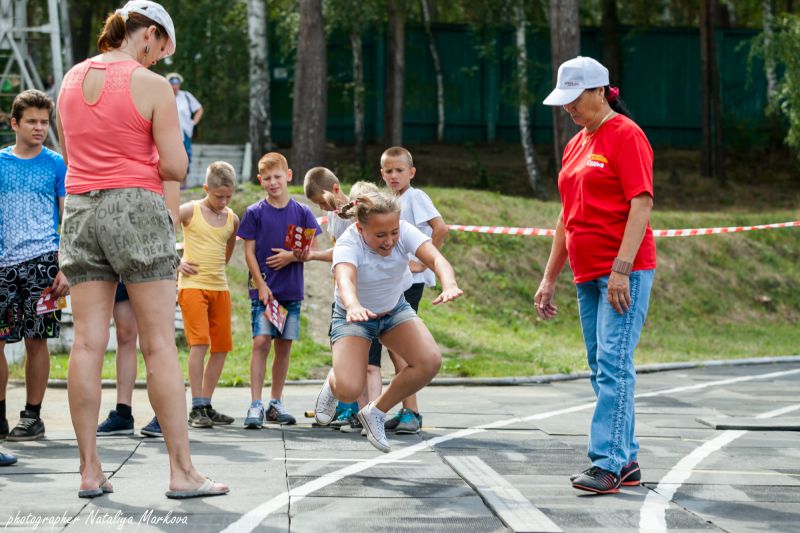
(118, 520)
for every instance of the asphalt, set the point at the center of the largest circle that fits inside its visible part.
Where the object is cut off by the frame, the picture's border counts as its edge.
(697, 476)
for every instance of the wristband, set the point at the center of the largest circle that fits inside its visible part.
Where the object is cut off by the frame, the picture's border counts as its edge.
(622, 267)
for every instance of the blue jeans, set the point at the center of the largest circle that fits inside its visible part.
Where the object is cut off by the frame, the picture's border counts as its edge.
(610, 338)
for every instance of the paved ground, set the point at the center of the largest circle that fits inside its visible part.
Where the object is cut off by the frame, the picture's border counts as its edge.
(696, 478)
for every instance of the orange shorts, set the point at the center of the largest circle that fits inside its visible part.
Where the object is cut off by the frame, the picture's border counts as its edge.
(207, 318)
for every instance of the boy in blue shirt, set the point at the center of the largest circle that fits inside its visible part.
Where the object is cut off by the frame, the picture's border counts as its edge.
(275, 274)
(31, 202)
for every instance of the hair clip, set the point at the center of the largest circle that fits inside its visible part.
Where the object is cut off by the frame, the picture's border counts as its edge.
(613, 93)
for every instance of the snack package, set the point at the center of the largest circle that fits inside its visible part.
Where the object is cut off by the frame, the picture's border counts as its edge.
(298, 238)
(47, 304)
(276, 313)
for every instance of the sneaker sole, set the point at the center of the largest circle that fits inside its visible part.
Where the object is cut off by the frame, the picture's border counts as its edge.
(222, 423)
(372, 440)
(203, 425)
(26, 438)
(406, 431)
(615, 490)
(278, 422)
(115, 432)
(345, 429)
(151, 434)
(253, 425)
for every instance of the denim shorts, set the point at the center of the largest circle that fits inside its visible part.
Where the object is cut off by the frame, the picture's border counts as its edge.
(262, 326)
(373, 328)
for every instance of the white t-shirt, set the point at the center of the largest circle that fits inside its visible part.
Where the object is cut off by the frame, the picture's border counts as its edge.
(380, 281)
(187, 106)
(417, 209)
(337, 225)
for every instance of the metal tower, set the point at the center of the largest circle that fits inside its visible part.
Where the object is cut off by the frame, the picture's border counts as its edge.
(16, 46)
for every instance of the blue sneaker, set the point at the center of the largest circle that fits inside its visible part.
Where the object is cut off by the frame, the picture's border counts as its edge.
(409, 423)
(342, 419)
(6, 459)
(277, 413)
(115, 425)
(152, 429)
(255, 417)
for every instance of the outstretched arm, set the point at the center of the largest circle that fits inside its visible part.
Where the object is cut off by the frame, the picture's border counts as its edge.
(345, 274)
(433, 259)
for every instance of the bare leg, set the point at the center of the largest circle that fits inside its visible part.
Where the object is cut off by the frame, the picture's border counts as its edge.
(414, 343)
(280, 367)
(374, 382)
(350, 356)
(154, 304)
(213, 371)
(197, 356)
(92, 302)
(37, 370)
(399, 365)
(258, 365)
(127, 362)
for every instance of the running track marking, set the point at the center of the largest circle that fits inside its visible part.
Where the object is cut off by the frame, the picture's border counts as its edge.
(253, 518)
(653, 517)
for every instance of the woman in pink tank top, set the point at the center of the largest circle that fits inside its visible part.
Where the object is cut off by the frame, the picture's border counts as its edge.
(118, 126)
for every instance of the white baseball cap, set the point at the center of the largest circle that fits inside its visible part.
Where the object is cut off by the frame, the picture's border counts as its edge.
(155, 12)
(574, 76)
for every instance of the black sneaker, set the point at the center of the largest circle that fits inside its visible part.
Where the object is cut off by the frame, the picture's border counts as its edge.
(3, 428)
(30, 427)
(198, 418)
(630, 475)
(573, 477)
(598, 481)
(218, 418)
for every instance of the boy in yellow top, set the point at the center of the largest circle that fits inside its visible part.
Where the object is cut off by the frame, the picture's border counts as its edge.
(209, 230)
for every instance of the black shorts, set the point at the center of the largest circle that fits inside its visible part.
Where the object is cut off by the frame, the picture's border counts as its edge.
(21, 285)
(413, 296)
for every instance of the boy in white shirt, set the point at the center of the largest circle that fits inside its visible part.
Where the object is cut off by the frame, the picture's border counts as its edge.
(416, 208)
(370, 264)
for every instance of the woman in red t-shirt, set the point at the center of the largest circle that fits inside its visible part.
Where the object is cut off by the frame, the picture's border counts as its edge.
(606, 188)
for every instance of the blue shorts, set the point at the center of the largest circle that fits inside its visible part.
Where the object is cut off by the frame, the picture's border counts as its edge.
(373, 328)
(262, 326)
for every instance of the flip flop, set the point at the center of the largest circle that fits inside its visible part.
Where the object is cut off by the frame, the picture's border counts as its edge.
(104, 488)
(206, 489)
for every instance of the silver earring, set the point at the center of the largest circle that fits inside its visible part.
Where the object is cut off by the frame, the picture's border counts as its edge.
(146, 49)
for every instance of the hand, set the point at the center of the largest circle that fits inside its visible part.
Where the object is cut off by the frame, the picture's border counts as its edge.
(280, 259)
(449, 294)
(359, 313)
(60, 287)
(619, 293)
(264, 294)
(416, 266)
(188, 268)
(302, 255)
(543, 300)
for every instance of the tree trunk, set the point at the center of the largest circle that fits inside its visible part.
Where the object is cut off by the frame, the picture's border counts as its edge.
(610, 41)
(769, 61)
(310, 106)
(395, 75)
(716, 98)
(705, 87)
(437, 66)
(260, 137)
(565, 43)
(534, 176)
(358, 101)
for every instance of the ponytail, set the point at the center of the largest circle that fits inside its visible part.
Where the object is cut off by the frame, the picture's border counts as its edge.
(614, 100)
(365, 205)
(117, 28)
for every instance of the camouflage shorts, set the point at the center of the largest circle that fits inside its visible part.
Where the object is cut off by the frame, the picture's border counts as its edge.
(117, 233)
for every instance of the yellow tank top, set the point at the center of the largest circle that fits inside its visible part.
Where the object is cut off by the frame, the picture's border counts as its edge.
(205, 245)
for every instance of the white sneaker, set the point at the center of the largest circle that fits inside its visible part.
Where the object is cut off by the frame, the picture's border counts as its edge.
(325, 409)
(372, 420)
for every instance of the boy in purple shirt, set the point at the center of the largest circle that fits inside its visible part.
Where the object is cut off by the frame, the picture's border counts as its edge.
(275, 274)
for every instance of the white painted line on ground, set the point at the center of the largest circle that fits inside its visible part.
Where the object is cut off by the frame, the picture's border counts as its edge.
(253, 518)
(653, 516)
(508, 503)
(334, 460)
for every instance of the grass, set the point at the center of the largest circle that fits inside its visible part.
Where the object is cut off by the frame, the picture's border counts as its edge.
(715, 297)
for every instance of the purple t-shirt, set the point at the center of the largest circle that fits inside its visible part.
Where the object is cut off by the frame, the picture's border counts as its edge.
(267, 226)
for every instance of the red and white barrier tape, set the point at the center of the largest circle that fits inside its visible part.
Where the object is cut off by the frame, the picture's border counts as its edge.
(547, 232)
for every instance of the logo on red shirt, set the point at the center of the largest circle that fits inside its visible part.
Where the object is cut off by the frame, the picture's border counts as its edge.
(596, 160)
